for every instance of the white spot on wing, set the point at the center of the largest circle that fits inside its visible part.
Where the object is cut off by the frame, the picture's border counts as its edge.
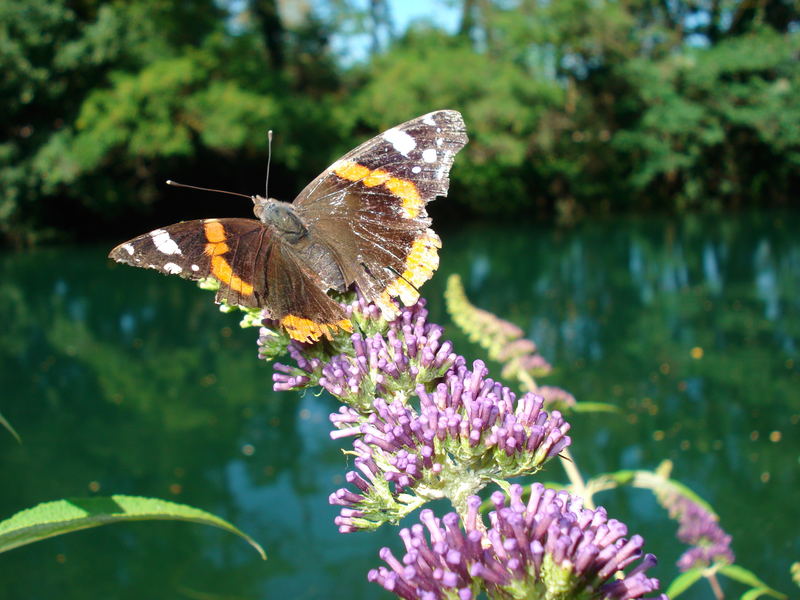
(416, 170)
(428, 120)
(164, 243)
(195, 268)
(128, 248)
(171, 267)
(439, 142)
(400, 141)
(429, 155)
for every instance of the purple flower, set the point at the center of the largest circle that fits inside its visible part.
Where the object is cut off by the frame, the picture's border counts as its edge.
(467, 432)
(555, 397)
(409, 353)
(425, 426)
(548, 547)
(502, 340)
(698, 527)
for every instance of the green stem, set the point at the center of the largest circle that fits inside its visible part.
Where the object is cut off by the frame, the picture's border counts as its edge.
(575, 478)
(567, 461)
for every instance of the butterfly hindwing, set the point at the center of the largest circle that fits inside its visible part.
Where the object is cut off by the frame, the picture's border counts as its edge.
(296, 297)
(229, 250)
(372, 202)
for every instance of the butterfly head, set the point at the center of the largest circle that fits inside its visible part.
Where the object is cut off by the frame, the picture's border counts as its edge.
(281, 216)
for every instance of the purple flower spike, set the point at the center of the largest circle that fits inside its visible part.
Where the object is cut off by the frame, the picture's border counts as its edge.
(572, 556)
(503, 341)
(699, 528)
(555, 397)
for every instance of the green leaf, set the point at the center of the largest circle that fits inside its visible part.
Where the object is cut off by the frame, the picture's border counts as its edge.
(750, 579)
(64, 516)
(741, 575)
(623, 477)
(684, 581)
(584, 407)
(10, 429)
(758, 592)
(656, 481)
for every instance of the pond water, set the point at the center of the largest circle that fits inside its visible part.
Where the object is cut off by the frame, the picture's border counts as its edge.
(120, 380)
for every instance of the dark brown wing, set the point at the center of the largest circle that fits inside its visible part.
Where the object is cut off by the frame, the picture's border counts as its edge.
(296, 297)
(369, 206)
(232, 251)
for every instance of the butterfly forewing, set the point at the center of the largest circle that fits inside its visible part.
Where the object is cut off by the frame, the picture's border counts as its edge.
(372, 202)
(420, 151)
(229, 250)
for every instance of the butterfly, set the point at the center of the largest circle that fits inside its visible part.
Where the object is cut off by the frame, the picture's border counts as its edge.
(362, 221)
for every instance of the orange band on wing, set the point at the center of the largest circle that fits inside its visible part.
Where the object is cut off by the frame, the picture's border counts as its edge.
(222, 271)
(215, 248)
(420, 264)
(214, 230)
(306, 330)
(404, 189)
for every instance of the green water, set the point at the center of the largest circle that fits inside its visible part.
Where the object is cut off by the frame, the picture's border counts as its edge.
(123, 381)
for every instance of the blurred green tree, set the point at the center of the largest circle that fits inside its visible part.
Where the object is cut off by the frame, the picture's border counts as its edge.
(104, 96)
(53, 54)
(573, 107)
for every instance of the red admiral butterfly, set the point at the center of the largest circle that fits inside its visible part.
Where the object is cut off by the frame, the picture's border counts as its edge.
(362, 221)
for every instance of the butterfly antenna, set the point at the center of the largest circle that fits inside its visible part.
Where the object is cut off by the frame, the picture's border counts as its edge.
(203, 189)
(269, 160)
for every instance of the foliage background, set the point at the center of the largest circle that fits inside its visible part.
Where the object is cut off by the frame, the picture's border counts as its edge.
(574, 107)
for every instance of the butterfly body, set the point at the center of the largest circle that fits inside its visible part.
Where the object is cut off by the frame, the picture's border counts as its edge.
(361, 222)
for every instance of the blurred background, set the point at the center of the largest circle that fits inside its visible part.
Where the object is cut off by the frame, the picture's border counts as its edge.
(573, 107)
(628, 197)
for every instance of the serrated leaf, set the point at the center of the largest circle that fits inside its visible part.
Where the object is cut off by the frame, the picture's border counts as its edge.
(64, 516)
(683, 582)
(10, 429)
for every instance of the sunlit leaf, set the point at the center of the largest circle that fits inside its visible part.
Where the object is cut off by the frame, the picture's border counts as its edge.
(622, 477)
(750, 579)
(683, 582)
(64, 516)
(759, 592)
(10, 429)
(586, 407)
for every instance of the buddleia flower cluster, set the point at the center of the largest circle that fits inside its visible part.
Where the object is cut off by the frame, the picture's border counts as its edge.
(503, 341)
(425, 425)
(699, 528)
(547, 547)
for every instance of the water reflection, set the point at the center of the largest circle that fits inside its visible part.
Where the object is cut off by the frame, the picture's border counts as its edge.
(136, 382)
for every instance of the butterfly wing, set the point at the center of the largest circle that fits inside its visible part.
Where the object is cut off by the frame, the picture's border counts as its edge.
(232, 251)
(370, 206)
(254, 267)
(296, 297)
(366, 223)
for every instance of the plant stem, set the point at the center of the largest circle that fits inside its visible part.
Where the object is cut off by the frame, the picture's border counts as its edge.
(567, 461)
